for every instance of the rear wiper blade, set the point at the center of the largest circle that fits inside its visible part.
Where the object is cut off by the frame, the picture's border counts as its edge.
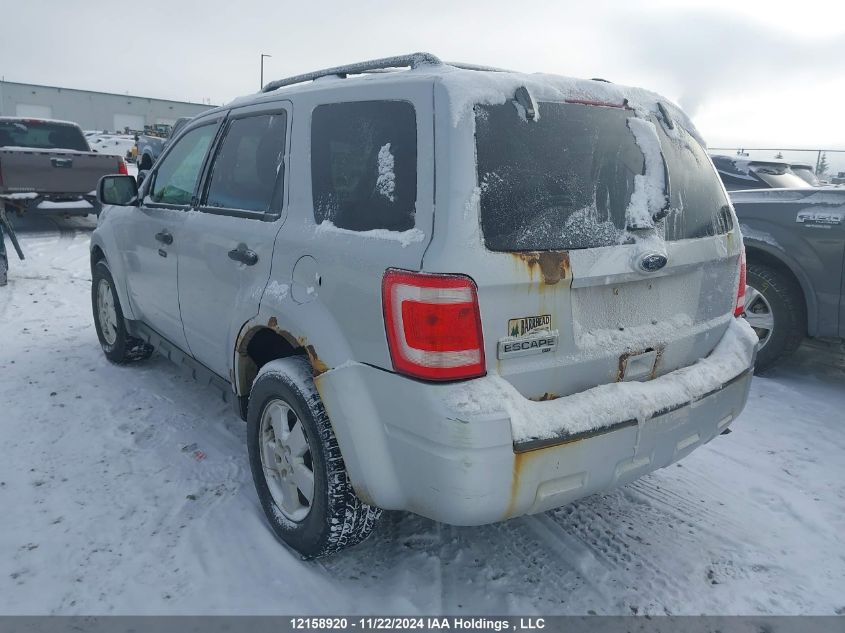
(523, 98)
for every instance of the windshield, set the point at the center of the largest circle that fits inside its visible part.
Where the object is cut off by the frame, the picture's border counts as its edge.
(42, 135)
(569, 179)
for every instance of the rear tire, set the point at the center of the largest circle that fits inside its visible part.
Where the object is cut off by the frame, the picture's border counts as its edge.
(117, 345)
(294, 455)
(774, 301)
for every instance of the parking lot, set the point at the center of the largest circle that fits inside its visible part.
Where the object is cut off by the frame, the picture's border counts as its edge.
(127, 490)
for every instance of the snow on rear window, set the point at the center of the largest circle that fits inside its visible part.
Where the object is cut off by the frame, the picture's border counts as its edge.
(585, 176)
(386, 181)
(649, 197)
(563, 181)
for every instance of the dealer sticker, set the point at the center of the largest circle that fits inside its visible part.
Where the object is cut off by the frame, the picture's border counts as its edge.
(526, 326)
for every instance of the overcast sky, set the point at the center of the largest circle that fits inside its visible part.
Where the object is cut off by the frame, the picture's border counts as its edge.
(748, 72)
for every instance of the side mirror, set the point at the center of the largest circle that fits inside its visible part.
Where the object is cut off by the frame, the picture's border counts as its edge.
(117, 190)
(142, 174)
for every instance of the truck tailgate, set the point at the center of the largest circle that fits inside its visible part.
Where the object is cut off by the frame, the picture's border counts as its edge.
(47, 171)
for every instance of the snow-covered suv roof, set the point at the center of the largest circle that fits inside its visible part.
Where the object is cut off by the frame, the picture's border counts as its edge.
(468, 85)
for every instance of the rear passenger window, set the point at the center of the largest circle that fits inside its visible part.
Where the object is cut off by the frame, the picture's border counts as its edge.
(247, 172)
(177, 176)
(364, 165)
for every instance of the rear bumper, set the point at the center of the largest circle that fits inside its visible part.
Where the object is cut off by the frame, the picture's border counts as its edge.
(420, 449)
(56, 204)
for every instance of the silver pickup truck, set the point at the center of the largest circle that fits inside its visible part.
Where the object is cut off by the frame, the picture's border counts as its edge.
(48, 166)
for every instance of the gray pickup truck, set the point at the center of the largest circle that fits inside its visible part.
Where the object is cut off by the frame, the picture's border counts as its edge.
(150, 146)
(48, 166)
(795, 248)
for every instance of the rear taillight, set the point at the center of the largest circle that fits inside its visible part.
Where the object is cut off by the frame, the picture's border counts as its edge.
(740, 291)
(121, 167)
(433, 325)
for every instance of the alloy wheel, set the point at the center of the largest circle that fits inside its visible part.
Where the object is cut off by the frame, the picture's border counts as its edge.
(286, 460)
(758, 312)
(106, 312)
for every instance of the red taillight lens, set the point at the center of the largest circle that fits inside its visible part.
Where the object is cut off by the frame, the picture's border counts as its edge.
(121, 167)
(433, 325)
(740, 291)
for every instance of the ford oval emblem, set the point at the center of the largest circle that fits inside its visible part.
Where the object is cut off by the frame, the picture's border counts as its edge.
(653, 262)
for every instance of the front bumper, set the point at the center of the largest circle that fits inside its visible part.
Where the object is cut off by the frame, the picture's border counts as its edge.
(415, 446)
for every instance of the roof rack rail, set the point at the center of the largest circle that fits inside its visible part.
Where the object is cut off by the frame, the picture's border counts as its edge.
(401, 61)
(490, 69)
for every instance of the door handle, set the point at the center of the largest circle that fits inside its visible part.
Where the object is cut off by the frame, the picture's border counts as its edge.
(164, 237)
(243, 255)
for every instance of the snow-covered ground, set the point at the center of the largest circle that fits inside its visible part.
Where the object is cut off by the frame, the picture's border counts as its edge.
(127, 490)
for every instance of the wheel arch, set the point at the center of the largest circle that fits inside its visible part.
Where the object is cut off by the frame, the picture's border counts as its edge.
(757, 252)
(146, 155)
(97, 253)
(258, 345)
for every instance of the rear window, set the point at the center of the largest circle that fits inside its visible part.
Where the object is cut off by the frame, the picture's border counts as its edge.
(364, 165)
(42, 135)
(741, 173)
(777, 177)
(565, 180)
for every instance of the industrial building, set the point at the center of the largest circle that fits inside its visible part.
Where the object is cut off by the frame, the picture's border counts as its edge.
(100, 111)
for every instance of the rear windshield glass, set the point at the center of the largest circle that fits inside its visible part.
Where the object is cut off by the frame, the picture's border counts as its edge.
(777, 177)
(41, 135)
(698, 206)
(565, 180)
(806, 174)
(741, 173)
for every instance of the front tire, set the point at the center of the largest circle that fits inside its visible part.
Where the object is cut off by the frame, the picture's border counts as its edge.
(297, 468)
(117, 345)
(774, 307)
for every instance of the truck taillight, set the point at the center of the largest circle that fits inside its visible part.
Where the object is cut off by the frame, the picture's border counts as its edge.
(121, 167)
(433, 325)
(739, 308)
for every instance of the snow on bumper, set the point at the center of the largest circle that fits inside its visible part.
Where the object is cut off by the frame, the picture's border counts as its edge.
(608, 405)
(478, 452)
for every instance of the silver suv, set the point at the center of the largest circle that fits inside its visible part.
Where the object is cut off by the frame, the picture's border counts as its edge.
(457, 291)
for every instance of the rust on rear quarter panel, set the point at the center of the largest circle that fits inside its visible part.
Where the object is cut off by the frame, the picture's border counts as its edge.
(552, 265)
(317, 365)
